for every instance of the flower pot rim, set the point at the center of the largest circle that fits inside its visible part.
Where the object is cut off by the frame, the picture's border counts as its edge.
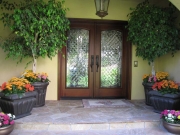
(169, 95)
(8, 126)
(147, 83)
(40, 83)
(16, 96)
(173, 124)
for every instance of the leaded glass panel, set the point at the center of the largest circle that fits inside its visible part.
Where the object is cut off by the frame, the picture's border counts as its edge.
(111, 53)
(77, 58)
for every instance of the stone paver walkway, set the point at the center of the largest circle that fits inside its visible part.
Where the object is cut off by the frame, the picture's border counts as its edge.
(69, 117)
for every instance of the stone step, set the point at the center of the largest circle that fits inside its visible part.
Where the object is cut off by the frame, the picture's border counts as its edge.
(118, 128)
(87, 126)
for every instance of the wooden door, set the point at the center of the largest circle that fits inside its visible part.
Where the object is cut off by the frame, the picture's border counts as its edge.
(96, 62)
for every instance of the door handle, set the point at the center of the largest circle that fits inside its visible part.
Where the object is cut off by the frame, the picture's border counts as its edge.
(97, 62)
(92, 62)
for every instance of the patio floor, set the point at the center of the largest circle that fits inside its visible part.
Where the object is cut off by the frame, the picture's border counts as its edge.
(69, 117)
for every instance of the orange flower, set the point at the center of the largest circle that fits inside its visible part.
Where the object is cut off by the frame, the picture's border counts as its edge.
(29, 87)
(3, 86)
(155, 85)
(160, 85)
(166, 86)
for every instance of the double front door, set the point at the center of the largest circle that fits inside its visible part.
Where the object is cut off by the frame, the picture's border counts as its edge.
(96, 62)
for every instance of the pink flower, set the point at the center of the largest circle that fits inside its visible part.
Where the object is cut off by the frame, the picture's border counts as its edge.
(6, 117)
(44, 77)
(155, 79)
(165, 112)
(176, 114)
(149, 80)
(12, 122)
(39, 76)
(172, 112)
(6, 122)
(1, 114)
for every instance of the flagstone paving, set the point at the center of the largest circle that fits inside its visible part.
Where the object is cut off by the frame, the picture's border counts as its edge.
(69, 117)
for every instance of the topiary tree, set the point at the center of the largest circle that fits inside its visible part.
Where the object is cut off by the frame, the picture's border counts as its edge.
(38, 29)
(152, 29)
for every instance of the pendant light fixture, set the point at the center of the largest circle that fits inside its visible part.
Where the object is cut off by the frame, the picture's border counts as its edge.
(101, 7)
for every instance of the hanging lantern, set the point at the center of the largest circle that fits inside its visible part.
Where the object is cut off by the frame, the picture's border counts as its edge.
(102, 7)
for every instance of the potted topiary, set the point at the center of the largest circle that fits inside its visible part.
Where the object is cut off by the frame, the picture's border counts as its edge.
(38, 29)
(152, 29)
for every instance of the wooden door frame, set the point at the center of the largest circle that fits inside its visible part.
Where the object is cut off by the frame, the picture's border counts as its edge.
(128, 61)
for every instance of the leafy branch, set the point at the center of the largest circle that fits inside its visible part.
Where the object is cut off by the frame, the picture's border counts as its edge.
(38, 29)
(152, 29)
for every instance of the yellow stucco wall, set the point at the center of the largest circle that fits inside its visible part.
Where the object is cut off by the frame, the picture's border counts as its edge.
(118, 10)
(171, 65)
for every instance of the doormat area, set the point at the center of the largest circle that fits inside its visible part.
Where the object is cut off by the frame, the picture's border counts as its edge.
(95, 103)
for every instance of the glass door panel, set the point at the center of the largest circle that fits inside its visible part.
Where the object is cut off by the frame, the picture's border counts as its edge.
(77, 58)
(111, 53)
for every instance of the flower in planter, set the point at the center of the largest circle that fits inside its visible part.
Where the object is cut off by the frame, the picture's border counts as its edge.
(35, 77)
(166, 86)
(157, 78)
(16, 86)
(6, 119)
(171, 116)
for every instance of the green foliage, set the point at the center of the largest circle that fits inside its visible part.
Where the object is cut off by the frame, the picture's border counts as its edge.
(152, 29)
(38, 28)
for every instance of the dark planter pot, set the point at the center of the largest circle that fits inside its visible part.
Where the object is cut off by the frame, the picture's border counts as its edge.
(6, 130)
(172, 128)
(20, 107)
(41, 88)
(147, 88)
(167, 101)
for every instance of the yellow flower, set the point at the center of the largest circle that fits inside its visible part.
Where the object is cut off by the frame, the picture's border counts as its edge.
(161, 75)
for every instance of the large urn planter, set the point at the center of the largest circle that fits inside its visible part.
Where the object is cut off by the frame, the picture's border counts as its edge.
(41, 88)
(147, 88)
(19, 106)
(6, 130)
(171, 127)
(162, 102)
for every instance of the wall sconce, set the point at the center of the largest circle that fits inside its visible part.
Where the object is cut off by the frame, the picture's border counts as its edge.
(101, 7)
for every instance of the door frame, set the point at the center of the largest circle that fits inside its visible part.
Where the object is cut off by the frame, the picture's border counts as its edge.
(128, 60)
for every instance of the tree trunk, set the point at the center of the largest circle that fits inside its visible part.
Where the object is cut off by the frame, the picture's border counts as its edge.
(34, 53)
(34, 65)
(153, 72)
